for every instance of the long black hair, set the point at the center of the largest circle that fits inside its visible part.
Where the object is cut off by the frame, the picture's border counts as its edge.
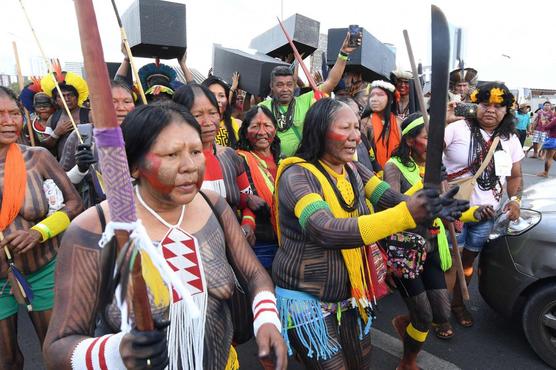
(317, 121)
(391, 106)
(403, 151)
(244, 143)
(227, 115)
(185, 96)
(142, 126)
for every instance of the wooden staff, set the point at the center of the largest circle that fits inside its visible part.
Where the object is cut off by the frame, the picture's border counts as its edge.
(119, 190)
(21, 86)
(451, 229)
(129, 54)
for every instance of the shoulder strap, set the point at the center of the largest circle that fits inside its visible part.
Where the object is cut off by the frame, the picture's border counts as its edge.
(101, 216)
(487, 158)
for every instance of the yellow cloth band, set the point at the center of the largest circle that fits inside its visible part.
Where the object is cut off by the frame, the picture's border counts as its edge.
(56, 223)
(415, 188)
(469, 215)
(371, 186)
(304, 202)
(419, 336)
(379, 225)
(233, 361)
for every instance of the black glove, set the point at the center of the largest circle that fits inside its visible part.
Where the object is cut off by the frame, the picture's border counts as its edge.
(443, 173)
(451, 208)
(84, 157)
(434, 203)
(145, 349)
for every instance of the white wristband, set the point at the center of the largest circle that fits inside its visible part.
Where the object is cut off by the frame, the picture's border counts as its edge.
(75, 175)
(265, 311)
(54, 135)
(98, 353)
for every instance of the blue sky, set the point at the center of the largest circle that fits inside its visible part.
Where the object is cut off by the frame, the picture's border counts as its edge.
(492, 29)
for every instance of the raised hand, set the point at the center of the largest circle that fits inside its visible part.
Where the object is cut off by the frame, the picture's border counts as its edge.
(84, 157)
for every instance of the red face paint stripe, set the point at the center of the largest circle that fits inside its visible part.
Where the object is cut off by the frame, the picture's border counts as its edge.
(336, 136)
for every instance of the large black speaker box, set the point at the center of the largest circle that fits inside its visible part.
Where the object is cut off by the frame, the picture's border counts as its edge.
(156, 28)
(373, 59)
(304, 32)
(254, 69)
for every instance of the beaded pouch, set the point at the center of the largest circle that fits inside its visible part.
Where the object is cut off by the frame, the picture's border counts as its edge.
(406, 254)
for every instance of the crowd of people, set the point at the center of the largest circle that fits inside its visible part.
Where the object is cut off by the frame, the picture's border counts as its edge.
(297, 213)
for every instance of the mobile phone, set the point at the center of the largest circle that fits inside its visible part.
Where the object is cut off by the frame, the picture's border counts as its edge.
(86, 132)
(467, 110)
(354, 34)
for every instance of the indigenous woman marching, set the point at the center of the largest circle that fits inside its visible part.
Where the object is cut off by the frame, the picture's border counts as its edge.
(225, 173)
(260, 149)
(326, 218)
(29, 229)
(227, 134)
(425, 293)
(467, 146)
(386, 132)
(77, 158)
(200, 239)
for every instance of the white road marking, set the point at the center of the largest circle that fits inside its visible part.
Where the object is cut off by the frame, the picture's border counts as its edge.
(394, 346)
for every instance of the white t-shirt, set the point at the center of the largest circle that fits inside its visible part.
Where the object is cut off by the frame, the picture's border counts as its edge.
(457, 138)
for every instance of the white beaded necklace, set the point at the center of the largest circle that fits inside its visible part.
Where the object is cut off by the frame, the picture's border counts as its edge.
(156, 215)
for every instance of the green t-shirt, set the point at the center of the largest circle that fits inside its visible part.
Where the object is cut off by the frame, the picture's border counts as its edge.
(290, 139)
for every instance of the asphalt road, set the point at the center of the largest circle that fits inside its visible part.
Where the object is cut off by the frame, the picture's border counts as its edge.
(492, 343)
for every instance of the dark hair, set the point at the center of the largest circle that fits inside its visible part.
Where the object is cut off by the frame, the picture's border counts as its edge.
(10, 94)
(280, 71)
(65, 87)
(403, 151)
(482, 94)
(244, 143)
(546, 102)
(142, 126)
(123, 85)
(317, 121)
(391, 106)
(185, 95)
(227, 116)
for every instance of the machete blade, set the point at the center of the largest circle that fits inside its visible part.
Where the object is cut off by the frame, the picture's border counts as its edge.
(439, 97)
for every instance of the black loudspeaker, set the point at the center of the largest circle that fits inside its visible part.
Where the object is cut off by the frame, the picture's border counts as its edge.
(113, 68)
(254, 69)
(373, 59)
(303, 31)
(156, 28)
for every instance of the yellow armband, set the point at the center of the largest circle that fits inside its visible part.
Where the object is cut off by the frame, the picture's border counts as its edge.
(307, 206)
(381, 224)
(52, 225)
(415, 188)
(374, 189)
(469, 215)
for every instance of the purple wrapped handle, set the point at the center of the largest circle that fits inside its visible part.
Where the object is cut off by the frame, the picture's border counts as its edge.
(115, 173)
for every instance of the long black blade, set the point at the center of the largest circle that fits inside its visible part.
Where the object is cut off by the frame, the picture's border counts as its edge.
(439, 97)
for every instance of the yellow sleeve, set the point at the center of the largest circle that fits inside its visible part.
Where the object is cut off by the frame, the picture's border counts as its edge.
(414, 189)
(469, 215)
(381, 224)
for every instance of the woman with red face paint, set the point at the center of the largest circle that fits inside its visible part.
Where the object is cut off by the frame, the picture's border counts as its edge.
(385, 127)
(77, 158)
(198, 236)
(224, 174)
(326, 228)
(29, 229)
(260, 149)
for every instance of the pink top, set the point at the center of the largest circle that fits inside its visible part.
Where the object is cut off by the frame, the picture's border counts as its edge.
(457, 138)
